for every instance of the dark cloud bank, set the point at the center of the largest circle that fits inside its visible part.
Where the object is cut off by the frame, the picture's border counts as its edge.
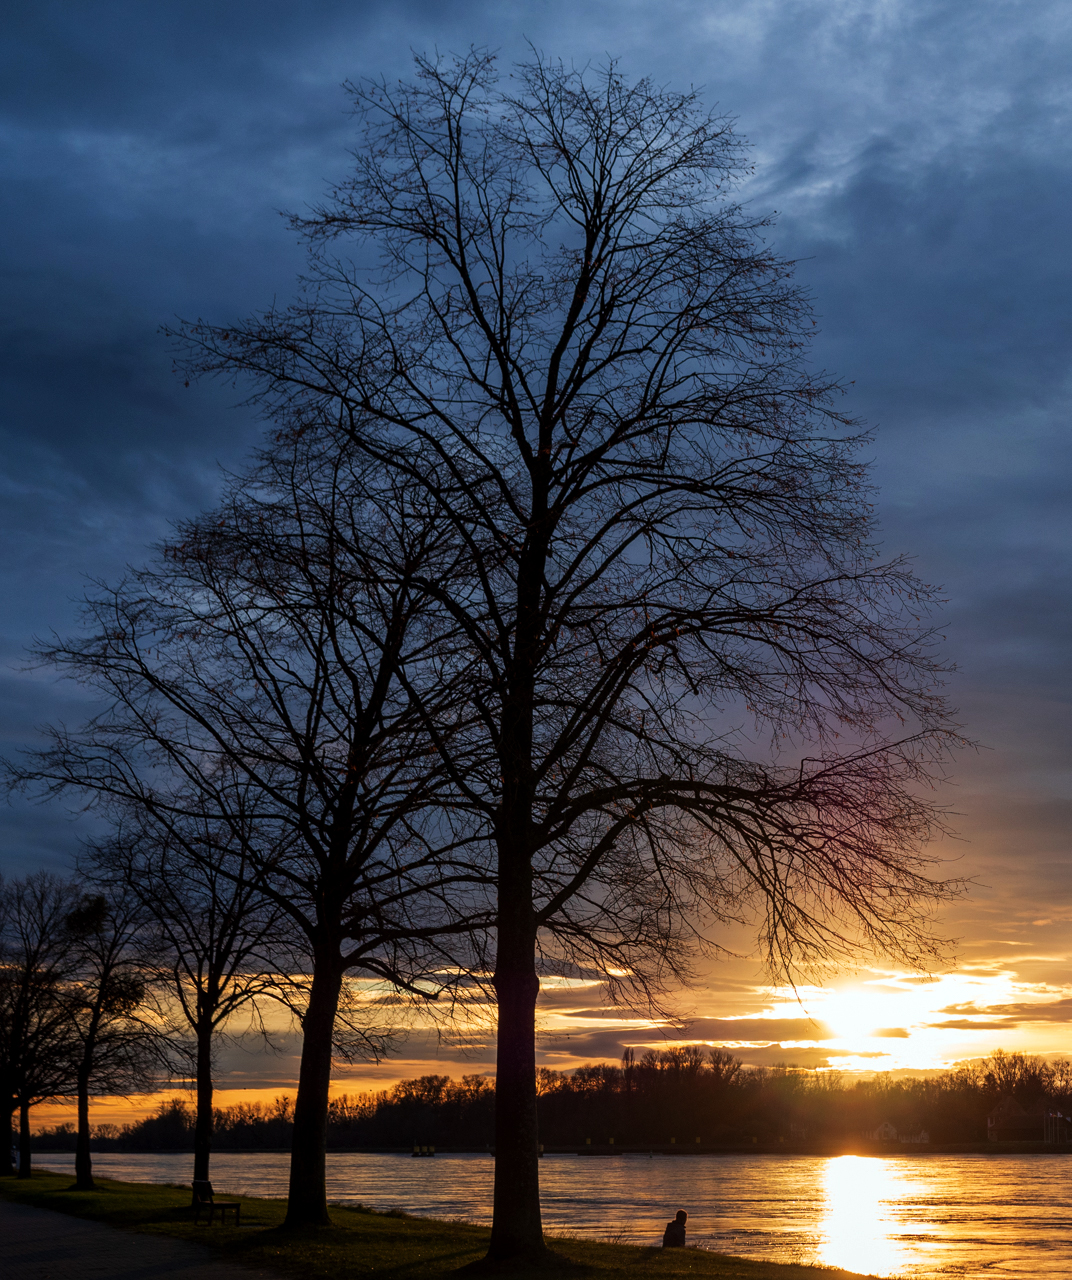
(918, 157)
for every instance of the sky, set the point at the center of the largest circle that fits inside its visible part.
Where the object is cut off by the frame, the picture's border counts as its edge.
(919, 159)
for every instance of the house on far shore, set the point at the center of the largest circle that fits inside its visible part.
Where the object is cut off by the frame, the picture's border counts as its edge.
(1010, 1122)
(887, 1132)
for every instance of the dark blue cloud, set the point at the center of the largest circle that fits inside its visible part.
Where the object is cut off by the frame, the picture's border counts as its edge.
(919, 157)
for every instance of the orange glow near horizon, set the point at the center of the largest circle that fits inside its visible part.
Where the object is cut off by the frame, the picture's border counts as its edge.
(121, 1111)
(880, 1020)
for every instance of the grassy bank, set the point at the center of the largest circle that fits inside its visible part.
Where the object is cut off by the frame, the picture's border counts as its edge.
(367, 1244)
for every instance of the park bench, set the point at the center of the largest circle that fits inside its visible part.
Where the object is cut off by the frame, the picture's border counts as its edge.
(205, 1199)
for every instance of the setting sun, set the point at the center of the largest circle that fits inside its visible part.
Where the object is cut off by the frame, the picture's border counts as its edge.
(854, 1012)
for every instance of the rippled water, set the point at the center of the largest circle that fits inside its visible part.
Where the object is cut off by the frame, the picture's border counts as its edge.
(968, 1216)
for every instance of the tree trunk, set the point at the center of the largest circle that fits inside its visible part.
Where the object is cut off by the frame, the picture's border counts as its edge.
(517, 1229)
(24, 1139)
(83, 1161)
(7, 1160)
(203, 1122)
(307, 1204)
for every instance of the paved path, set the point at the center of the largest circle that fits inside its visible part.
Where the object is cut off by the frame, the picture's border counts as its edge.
(40, 1244)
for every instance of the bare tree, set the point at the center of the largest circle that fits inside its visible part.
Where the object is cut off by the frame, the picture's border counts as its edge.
(695, 684)
(36, 1045)
(211, 938)
(115, 1037)
(252, 674)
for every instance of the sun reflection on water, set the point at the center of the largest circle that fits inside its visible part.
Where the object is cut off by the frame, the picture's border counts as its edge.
(856, 1230)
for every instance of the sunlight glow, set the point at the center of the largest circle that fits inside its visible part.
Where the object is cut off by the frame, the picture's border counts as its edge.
(894, 1020)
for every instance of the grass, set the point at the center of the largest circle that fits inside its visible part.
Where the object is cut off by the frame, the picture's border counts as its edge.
(362, 1243)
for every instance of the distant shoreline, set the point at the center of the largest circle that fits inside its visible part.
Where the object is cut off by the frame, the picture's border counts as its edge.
(765, 1149)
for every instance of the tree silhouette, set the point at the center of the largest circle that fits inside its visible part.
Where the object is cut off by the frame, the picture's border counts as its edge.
(115, 1038)
(257, 718)
(210, 935)
(698, 690)
(36, 966)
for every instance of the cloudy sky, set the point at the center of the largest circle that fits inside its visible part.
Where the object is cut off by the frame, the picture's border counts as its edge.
(919, 157)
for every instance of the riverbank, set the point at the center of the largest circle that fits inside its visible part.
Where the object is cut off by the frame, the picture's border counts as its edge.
(367, 1244)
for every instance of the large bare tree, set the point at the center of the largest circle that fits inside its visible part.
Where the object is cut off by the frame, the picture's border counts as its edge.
(696, 684)
(254, 694)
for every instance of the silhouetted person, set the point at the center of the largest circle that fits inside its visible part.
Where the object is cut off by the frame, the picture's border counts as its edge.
(674, 1235)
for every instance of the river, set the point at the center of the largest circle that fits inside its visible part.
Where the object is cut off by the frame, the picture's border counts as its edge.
(971, 1216)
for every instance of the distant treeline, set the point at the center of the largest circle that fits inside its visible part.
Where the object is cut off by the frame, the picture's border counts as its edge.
(682, 1094)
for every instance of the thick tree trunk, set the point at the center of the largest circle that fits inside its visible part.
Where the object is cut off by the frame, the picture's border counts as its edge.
(203, 1121)
(516, 1226)
(517, 1229)
(307, 1204)
(24, 1139)
(83, 1161)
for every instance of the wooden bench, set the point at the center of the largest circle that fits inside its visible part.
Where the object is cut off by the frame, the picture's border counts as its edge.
(205, 1199)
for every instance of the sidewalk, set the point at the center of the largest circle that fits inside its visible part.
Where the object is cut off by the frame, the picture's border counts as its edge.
(38, 1244)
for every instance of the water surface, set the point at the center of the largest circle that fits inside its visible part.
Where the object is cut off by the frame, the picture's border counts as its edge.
(929, 1216)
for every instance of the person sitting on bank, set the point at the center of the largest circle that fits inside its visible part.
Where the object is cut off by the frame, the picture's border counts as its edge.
(674, 1235)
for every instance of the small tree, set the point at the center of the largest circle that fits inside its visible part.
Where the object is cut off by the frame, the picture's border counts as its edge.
(211, 935)
(556, 322)
(36, 965)
(114, 1035)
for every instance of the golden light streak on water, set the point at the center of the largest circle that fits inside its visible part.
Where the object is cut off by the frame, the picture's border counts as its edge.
(857, 1227)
